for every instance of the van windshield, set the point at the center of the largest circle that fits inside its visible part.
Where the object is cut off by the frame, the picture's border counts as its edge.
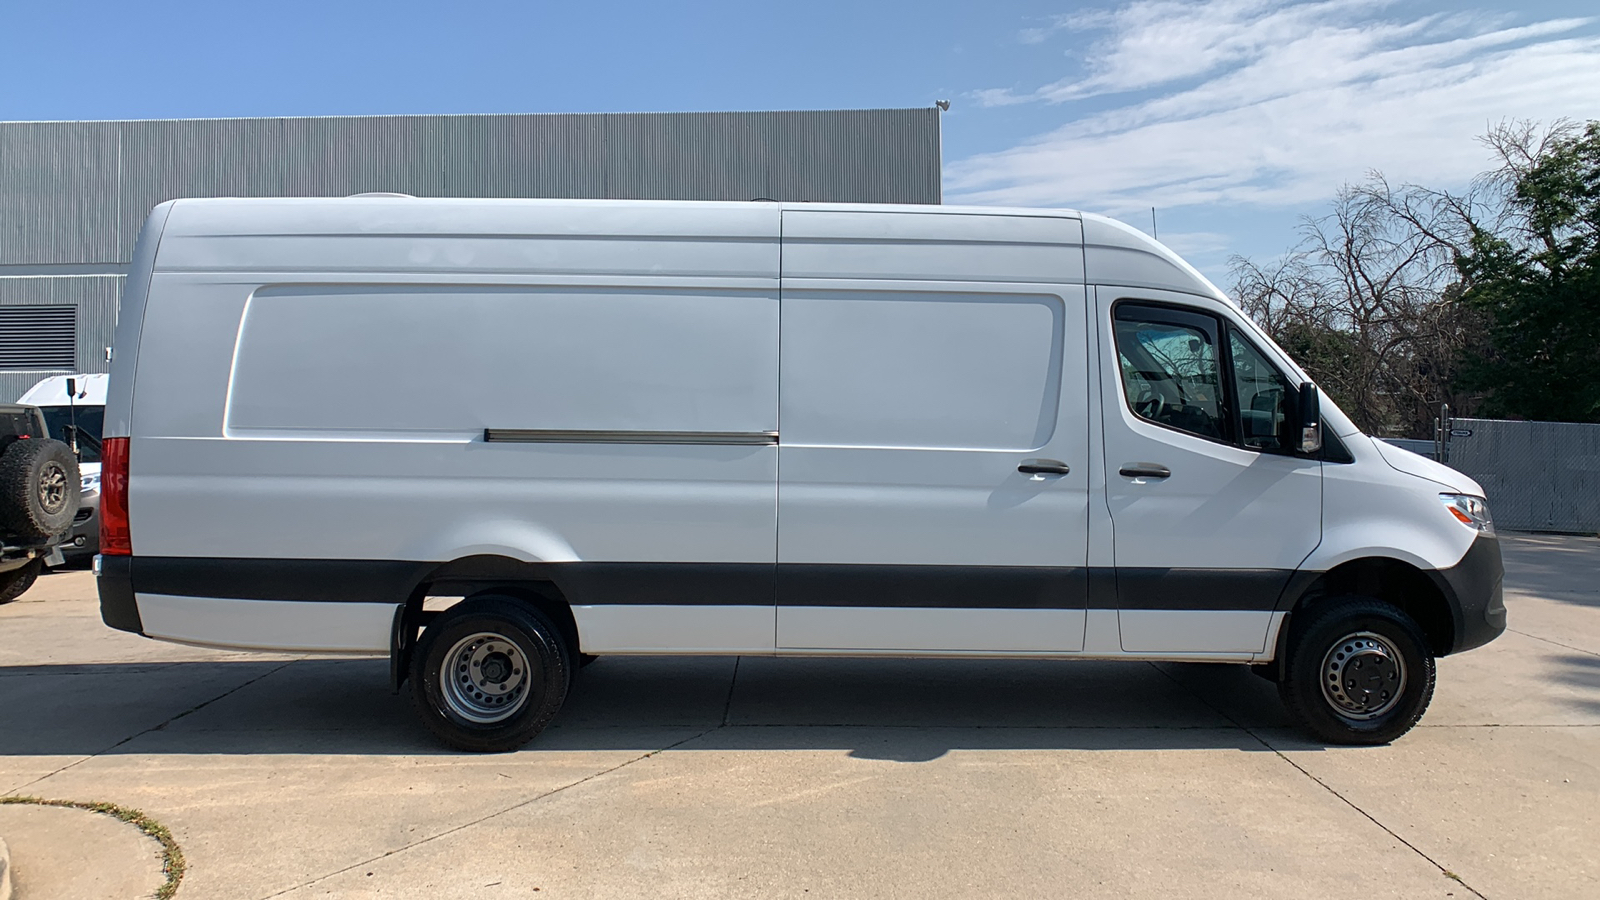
(90, 421)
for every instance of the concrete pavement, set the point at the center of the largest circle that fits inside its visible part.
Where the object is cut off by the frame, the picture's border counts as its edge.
(759, 776)
(75, 854)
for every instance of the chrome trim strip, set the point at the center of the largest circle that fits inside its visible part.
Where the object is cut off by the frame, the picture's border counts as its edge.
(564, 436)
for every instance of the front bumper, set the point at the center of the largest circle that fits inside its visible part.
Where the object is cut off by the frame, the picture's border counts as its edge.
(1475, 590)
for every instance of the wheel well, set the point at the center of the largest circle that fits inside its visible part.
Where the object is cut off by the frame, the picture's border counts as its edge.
(544, 597)
(476, 577)
(1392, 581)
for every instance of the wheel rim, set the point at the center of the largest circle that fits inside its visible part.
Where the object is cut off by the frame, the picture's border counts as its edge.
(485, 678)
(53, 488)
(1363, 676)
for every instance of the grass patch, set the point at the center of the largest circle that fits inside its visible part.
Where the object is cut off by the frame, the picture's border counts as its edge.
(172, 864)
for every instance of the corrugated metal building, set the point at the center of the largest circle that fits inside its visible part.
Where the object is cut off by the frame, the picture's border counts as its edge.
(73, 194)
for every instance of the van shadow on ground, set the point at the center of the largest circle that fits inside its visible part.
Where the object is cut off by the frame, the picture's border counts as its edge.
(888, 709)
(1561, 566)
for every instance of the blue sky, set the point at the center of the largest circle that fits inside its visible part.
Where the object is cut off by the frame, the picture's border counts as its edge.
(1233, 117)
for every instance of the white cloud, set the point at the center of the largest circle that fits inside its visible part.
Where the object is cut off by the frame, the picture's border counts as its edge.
(1195, 243)
(1245, 101)
(997, 97)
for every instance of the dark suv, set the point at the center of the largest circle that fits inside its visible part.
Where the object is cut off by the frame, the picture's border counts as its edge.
(39, 492)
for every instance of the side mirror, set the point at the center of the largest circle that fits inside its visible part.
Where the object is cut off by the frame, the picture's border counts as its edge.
(1310, 419)
(72, 387)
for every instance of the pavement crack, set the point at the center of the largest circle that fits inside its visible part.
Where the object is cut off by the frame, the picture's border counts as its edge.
(727, 708)
(1324, 785)
(481, 819)
(157, 727)
(1554, 643)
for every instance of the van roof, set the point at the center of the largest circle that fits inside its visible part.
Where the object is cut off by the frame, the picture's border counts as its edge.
(1116, 254)
(52, 391)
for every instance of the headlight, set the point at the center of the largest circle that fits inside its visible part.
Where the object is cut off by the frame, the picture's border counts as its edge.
(1470, 511)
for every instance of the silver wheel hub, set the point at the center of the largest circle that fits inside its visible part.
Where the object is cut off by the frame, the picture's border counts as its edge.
(53, 488)
(1363, 676)
(485, 678)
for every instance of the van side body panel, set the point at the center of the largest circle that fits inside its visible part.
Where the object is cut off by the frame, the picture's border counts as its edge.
(323, 380)
(924, 359)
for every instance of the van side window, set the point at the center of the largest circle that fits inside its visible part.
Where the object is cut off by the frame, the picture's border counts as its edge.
(1171, 370)
(1264, 397)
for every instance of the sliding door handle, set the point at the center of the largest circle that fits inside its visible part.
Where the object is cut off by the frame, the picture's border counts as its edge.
(1044, 467)
(1145, 470)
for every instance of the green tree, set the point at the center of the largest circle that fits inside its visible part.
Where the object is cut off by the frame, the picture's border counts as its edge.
(1535, 275)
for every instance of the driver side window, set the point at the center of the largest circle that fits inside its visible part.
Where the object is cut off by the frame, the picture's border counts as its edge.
(1171, 369)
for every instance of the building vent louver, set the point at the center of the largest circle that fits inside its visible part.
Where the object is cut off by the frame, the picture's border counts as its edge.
(38, 337)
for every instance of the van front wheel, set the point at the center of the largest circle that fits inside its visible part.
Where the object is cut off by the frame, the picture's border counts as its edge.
(489, 674)
(1359, 671)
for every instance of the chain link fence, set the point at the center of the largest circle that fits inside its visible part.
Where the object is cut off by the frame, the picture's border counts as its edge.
(1539, 476)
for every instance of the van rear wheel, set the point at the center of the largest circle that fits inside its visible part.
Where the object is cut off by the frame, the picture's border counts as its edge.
(1359, 671)
(489, 674)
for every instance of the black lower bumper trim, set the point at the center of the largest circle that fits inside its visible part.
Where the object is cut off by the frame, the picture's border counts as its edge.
(117, 605)
(1475, 589)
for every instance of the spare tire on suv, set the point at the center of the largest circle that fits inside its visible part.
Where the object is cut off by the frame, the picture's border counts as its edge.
(38, 489)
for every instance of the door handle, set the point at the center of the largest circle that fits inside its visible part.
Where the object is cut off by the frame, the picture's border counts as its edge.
(1044, 467)
(1145, 470)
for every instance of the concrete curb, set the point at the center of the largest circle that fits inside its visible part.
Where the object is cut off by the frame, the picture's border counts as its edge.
(5, 870)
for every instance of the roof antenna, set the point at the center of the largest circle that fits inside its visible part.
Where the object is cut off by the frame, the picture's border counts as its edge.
(1153, 224)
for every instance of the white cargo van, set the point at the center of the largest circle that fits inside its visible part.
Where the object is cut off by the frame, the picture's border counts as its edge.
(750, 428)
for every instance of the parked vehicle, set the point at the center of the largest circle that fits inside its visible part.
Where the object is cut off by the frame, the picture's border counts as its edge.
(38, 498)
(766, 428)
(74, 409)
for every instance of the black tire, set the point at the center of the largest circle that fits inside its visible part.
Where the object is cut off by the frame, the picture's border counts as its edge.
(479, 640)
(39, 489)
(15, 583)
(1341, 679)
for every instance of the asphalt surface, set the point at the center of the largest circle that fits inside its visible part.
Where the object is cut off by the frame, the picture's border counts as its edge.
(289, 777)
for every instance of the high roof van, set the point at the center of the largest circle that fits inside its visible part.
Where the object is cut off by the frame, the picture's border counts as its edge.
(621, 427)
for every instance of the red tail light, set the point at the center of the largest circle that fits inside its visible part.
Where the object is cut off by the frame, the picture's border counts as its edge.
(114, 537)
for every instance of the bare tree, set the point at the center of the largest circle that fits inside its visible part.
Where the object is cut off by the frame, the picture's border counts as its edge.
(1366, 302)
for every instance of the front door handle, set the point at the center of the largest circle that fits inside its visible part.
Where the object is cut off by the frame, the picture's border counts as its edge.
(1044, 467)
(1145, 470)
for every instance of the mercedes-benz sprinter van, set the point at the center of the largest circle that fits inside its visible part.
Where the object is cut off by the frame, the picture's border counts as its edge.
(621, 427)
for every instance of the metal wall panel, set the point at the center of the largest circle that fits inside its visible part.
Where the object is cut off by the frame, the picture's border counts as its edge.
(58, 192)
(1539, 476)
(96, 299)
(164, 160)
